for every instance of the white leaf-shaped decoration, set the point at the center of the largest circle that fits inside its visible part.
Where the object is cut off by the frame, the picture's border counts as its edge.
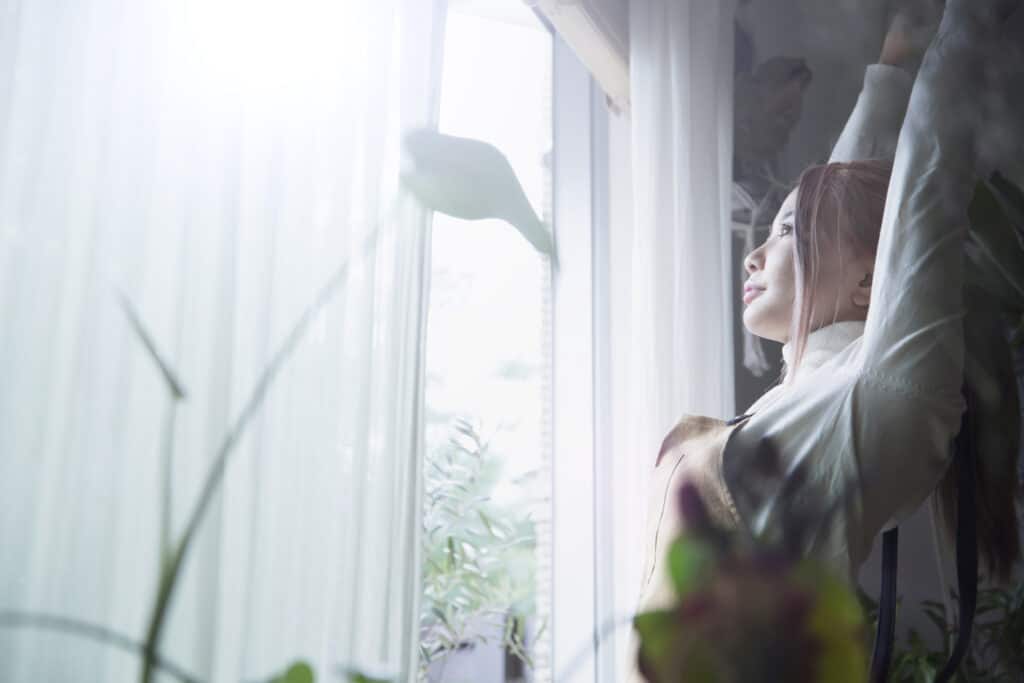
(472, 180)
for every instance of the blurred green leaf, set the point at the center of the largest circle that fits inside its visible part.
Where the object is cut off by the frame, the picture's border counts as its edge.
(837, 621)
(690, 563)
(298, 672)
(472, 180)
(353, 676)
(670, 652)
(658, 632)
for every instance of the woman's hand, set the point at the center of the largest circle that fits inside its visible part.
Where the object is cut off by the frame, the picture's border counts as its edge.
(910, 31)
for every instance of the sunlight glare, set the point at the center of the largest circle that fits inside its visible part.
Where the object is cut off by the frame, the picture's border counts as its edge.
(270, 50)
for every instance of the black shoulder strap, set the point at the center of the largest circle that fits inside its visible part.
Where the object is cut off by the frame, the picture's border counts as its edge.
(966, 544)
(966, 568)
(881, 655)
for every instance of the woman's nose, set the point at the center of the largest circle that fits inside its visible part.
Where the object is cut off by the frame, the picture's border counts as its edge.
(754, 260)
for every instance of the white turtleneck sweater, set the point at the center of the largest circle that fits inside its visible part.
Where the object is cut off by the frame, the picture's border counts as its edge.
(822, 345)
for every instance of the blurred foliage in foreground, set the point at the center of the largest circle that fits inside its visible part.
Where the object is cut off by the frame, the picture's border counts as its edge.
(746, 613)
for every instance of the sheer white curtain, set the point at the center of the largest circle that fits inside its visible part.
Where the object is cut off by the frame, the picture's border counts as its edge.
(215, 161)
(672, 346)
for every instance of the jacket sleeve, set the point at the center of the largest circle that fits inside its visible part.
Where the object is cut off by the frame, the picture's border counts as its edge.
(874, 125)
(860, 443)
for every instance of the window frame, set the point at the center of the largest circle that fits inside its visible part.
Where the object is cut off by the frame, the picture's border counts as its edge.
(582, 593)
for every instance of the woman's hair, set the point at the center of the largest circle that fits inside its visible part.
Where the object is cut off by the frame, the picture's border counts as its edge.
(840, 206)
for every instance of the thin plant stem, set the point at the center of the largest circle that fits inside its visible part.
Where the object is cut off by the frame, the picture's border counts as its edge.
(176, 393)
(170, 379)
(85, 629)
(167, 494)
(215, 475)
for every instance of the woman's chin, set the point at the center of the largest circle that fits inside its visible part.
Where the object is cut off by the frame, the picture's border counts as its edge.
(751, 321)
(756, 325)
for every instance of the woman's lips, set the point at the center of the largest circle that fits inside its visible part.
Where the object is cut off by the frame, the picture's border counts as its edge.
(751, 292)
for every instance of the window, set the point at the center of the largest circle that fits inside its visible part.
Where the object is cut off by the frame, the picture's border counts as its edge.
(484, 611)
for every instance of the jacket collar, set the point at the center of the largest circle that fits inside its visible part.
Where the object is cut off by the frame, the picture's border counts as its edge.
(824, 343)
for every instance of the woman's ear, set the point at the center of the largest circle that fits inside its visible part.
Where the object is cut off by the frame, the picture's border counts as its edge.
(862, 294)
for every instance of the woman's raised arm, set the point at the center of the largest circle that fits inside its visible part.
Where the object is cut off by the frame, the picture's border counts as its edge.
(874, 125)
(913, 335)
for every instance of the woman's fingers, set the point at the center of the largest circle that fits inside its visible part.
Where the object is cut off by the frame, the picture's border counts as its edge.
(910, 31)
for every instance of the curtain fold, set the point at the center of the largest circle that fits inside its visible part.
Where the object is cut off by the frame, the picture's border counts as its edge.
(215, 162)
(671, 312)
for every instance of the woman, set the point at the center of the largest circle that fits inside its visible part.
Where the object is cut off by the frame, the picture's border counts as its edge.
(861, 280)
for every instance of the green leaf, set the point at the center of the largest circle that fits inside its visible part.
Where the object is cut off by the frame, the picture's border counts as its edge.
(657, 631)
(690, 562)
(491, 529)
(451, 553)
(936, 613)
(837, 622)
(353, 676)
(673, 651)
(472, 180)
(298, 672)
(441, 616)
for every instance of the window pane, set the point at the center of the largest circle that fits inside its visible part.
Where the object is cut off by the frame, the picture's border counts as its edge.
(486, 481)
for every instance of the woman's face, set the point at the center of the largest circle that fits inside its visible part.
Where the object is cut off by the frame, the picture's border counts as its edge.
(770, 289)
(769, 294)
